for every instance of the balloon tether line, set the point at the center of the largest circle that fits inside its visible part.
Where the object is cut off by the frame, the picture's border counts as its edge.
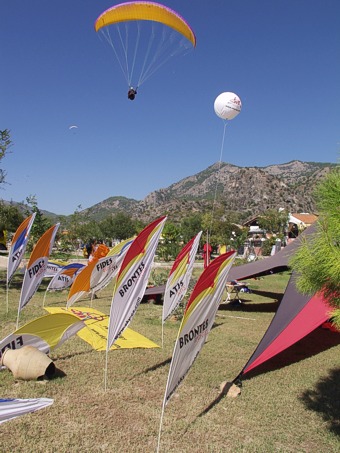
(218, 174)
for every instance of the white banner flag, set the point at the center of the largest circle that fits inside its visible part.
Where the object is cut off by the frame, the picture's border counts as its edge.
(198, 319)
(107, 268)
(37, 265)
(65, 277)
(133, 278)
(18, 246)
(179, 278)
(14, 407)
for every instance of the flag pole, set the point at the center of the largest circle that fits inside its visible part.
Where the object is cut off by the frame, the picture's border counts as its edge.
(44, 298)
(107, 344)
(7, 290)
(105, 369)
(162, 332)
(17, 324)
(160, 427)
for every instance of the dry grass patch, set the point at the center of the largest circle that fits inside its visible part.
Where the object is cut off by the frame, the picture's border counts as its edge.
(282, 407)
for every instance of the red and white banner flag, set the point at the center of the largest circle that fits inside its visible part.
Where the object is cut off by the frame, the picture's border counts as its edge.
(198, 319)
(133, 278)
(179, 277)
(37, 265)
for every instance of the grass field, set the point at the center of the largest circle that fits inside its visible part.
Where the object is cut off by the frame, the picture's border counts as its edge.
(290, 404)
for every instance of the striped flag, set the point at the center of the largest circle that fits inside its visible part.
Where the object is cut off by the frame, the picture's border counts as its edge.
(18, 246)
(132, 279)
(198, 319)
(179, 277)
(37, 265)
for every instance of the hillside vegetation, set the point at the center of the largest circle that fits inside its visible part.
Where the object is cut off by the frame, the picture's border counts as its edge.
(247, 190)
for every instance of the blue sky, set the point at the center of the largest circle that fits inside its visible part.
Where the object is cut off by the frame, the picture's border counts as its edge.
(282, 58)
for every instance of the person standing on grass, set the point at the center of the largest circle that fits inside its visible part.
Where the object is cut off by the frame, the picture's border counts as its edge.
(90, 247)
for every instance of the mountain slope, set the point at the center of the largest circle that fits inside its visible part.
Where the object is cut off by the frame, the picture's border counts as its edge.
(243, 189)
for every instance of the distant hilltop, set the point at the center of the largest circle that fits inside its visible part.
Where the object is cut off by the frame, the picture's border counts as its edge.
(247, 190)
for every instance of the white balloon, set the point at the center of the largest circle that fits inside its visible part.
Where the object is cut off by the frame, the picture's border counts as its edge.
(227, 105)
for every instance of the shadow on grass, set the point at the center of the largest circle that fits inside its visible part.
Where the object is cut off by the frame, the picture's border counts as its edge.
(57, 373)
(153, 368)
(74, 354)
(327, 390)
(266, 307)
(318, 341)
(249, 305)
(271, 295)
(15, 283)
(222, 395)
(217, 324)
(324, 399)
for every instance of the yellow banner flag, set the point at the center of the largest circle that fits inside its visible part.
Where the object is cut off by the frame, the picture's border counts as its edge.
(96, 334)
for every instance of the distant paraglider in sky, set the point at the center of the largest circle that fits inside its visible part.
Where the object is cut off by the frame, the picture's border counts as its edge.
(227, 105)
(73, 129)
(144, 36)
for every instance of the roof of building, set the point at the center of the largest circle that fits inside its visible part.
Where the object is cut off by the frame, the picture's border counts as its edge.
(307, 219)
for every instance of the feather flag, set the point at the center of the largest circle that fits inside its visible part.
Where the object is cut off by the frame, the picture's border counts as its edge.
(198, 319)
(118, 248)
(18, 246)
(196, 323)
(132, 279)
(45, 333)
(15, 407)
(107, 269)
(179, 277)
(53, 268)
(37, 265)
(97, 274)
(81, 285)
(65, 277)
(95, 333)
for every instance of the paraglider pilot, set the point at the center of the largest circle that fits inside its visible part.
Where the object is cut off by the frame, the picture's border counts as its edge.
(132, 93)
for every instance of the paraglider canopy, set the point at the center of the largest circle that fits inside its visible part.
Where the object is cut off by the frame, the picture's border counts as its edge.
(227, 105)
(144, 36)
(145, 11)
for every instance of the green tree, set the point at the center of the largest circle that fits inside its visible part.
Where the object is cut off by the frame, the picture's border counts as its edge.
(317, 261)
(190, 226)
(10, 217)
(76, 230)
(40, 224)
(274, 221)
(216, 228)
(120, 226)
(170, 243)
(5, 144)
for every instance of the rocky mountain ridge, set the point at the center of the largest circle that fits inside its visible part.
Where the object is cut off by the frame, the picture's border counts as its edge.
(248, 190)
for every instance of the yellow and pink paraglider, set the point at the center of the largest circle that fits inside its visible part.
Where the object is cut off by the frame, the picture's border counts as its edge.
(144, 36)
